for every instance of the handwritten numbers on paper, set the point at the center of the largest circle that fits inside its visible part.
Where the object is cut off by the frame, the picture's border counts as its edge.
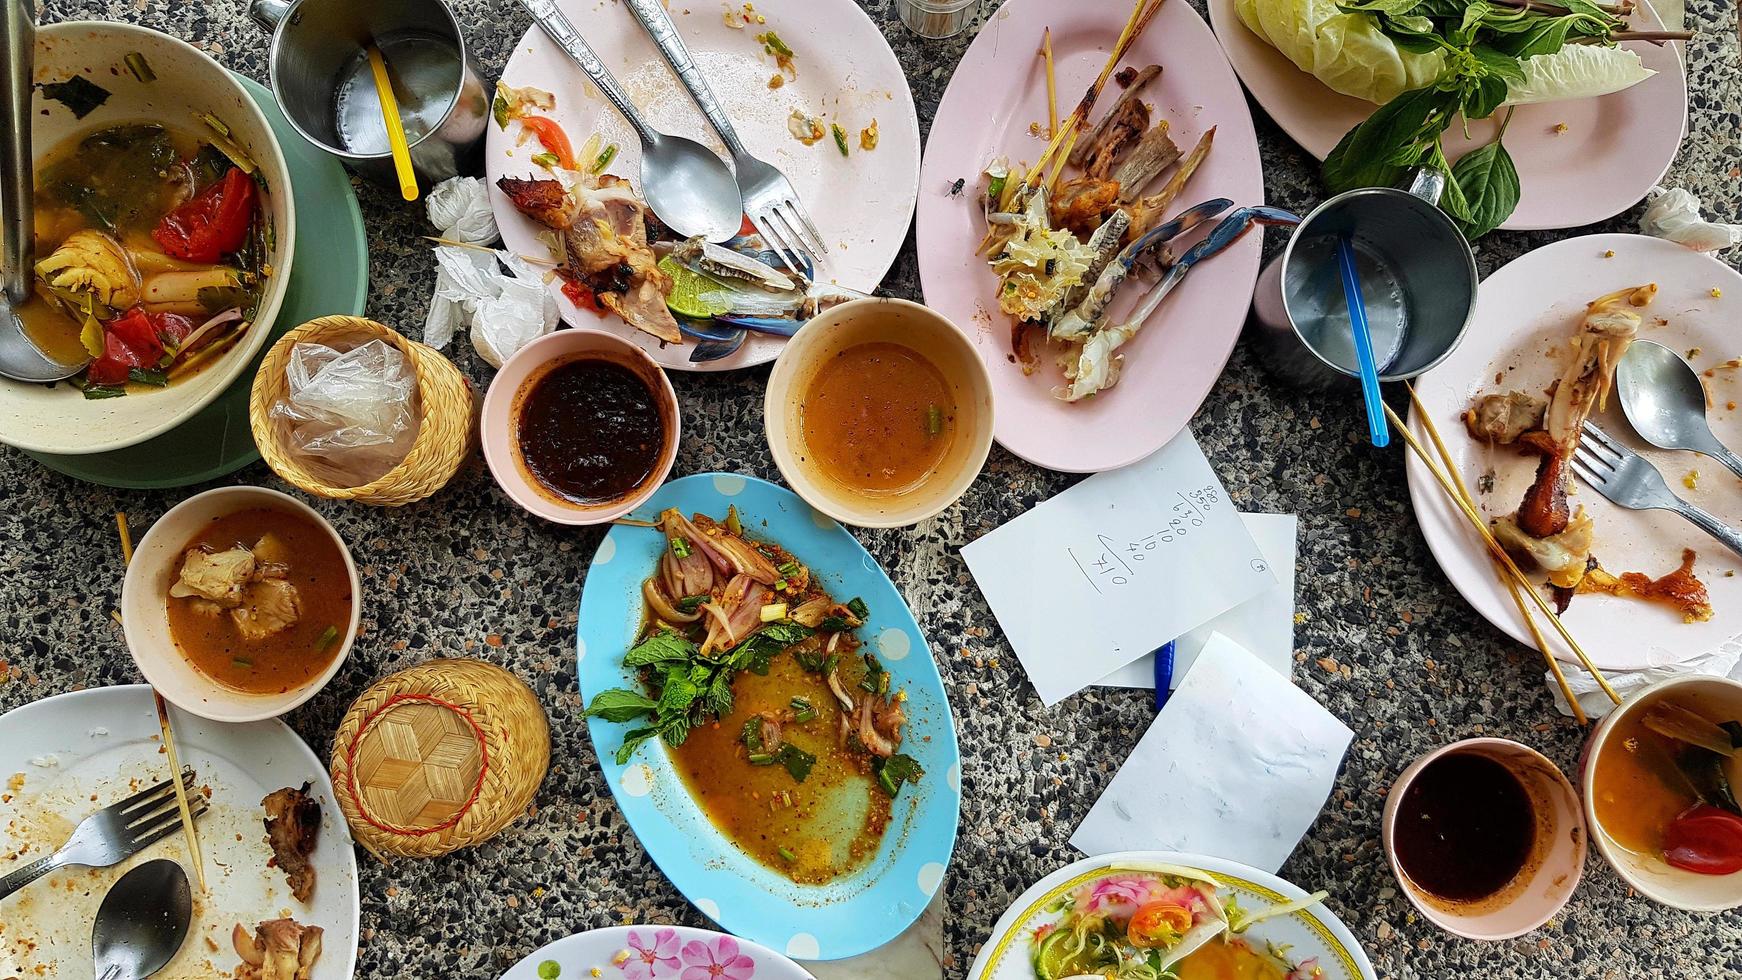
(1113, 564)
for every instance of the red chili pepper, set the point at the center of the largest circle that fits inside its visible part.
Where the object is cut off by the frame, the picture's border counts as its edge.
(212, 222)
(129, 341)
(746, 228)
(1704, 840)
(580, 295)
(553, 138)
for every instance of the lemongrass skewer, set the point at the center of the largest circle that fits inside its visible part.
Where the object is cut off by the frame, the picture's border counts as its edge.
(181, 793)
(1052, 97)
(1554, 665)
(1500, 553)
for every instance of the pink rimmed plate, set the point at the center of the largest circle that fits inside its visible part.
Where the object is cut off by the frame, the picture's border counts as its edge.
(1525, 315)
(997, 91)
(846, 74)
(642, 952)
(1610, 153)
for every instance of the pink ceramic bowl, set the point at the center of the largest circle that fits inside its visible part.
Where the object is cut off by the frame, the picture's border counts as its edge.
(500, 422)
(1550, 874)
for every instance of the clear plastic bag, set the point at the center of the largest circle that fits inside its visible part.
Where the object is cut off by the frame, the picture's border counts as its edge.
(352, 415)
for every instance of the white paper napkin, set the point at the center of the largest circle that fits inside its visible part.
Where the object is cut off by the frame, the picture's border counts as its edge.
(1236, 766)
(1116, 566)
(1263, 624)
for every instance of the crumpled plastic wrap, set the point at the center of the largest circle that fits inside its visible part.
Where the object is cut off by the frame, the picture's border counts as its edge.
(1674, 214)
(352, 415)
(459, 207)
(504, 312)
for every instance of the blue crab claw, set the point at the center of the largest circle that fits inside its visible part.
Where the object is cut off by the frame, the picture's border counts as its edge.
(780, 326)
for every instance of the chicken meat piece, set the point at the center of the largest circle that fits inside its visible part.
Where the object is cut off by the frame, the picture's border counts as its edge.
(605, 247)
(221, 577)
(293, 823)
(94, 264)
(1563, 556)
(268, 606)
(1501, 418)
(278, 949)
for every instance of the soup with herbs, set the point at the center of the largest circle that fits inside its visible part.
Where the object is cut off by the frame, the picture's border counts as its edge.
(1666, 785)
(878, 418)
(152, 250)
(262, 600)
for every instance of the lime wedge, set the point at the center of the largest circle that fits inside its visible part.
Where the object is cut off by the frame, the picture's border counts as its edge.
(1577, 71)
(692, 294)
(1056, 957)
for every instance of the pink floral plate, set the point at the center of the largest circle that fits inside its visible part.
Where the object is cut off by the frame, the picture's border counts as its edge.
(996, 92)
(654, 953)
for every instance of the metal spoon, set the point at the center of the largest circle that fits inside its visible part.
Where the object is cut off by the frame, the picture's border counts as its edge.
(685, 183)
(142, 921)
(20, 358)
(1666, 403)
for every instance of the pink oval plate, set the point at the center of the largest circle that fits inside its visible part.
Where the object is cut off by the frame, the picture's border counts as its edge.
(1525, 310)
(997, 91)
(847, 74)
(1611, 152)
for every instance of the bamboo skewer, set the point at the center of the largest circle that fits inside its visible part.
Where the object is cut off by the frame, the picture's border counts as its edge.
(1526, 586)
(1554, 665)
(181, 793)
(1052, 98)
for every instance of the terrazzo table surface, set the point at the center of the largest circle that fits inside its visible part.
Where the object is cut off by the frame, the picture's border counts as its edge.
(1382, 640)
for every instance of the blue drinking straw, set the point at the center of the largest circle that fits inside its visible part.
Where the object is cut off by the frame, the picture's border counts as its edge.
(1163, 674)
(1377, 427)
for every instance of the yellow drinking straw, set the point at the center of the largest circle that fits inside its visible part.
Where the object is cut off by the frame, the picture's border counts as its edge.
(395, 128)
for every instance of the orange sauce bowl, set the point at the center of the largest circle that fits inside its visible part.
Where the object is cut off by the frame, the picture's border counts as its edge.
(1620, 803)
(879, 413)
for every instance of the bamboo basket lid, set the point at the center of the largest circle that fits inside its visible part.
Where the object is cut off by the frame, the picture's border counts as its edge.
(439, 757)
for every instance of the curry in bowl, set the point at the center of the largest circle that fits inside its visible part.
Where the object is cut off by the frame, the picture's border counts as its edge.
(153, 246)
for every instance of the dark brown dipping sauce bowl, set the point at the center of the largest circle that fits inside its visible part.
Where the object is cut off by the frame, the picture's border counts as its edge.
(580, 427)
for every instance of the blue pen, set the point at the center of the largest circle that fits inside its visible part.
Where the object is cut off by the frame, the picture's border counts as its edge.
(1163, 674)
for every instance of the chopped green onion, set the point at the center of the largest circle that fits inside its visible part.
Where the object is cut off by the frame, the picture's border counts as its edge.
(934, 420)
(690, 603)
(242, 662)
(733, 523)
(834, 624)
(549, 970)
(761, 759)
(499, 111)
(329, 636)
(857, 607)
(94, 392)
(773, 44)
(840, 137)
(751, 735)
(605, 157)
(780, 585)
(547, 159)
(786, 855)
(789, 569)
(680, 547)
(803, 709)
(995, 188)
(140, 68)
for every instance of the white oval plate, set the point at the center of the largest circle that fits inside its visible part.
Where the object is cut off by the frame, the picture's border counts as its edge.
(1313, 932)
(646, 952)
(846, 73)
(1524, 309)
(104, 743)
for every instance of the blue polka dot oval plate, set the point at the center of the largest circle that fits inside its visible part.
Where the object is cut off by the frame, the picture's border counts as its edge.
(766, 714)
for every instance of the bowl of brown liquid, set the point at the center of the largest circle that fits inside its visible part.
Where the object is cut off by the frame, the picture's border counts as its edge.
(580, 427)
(879, 413)
(1486, 836)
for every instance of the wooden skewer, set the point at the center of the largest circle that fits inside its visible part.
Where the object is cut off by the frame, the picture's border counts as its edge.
(1052, 98)
(1475, 519)
(455, 243)
(181, 793)
(1554, 665)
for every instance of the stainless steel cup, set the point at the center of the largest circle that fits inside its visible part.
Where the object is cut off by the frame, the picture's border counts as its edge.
(321, 78)
(1418, 277)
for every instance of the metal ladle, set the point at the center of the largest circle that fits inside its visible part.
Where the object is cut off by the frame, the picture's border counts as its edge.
(142, 922)
(20, 358)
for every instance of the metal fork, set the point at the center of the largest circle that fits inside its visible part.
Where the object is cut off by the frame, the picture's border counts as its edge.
(769, 199)
(1629, 480)
(114, 833)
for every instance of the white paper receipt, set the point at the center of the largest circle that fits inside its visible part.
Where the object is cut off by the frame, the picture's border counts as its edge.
(1237, 766)
(1116, 566)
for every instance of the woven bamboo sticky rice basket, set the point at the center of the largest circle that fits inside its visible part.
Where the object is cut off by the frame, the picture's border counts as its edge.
(439, 757)
(445, 431)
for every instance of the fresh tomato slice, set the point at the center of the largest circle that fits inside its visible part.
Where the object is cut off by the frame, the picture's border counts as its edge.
(211, 223)
(129, 341)
(1158, 925)
(1704, 840)
(553, 138)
